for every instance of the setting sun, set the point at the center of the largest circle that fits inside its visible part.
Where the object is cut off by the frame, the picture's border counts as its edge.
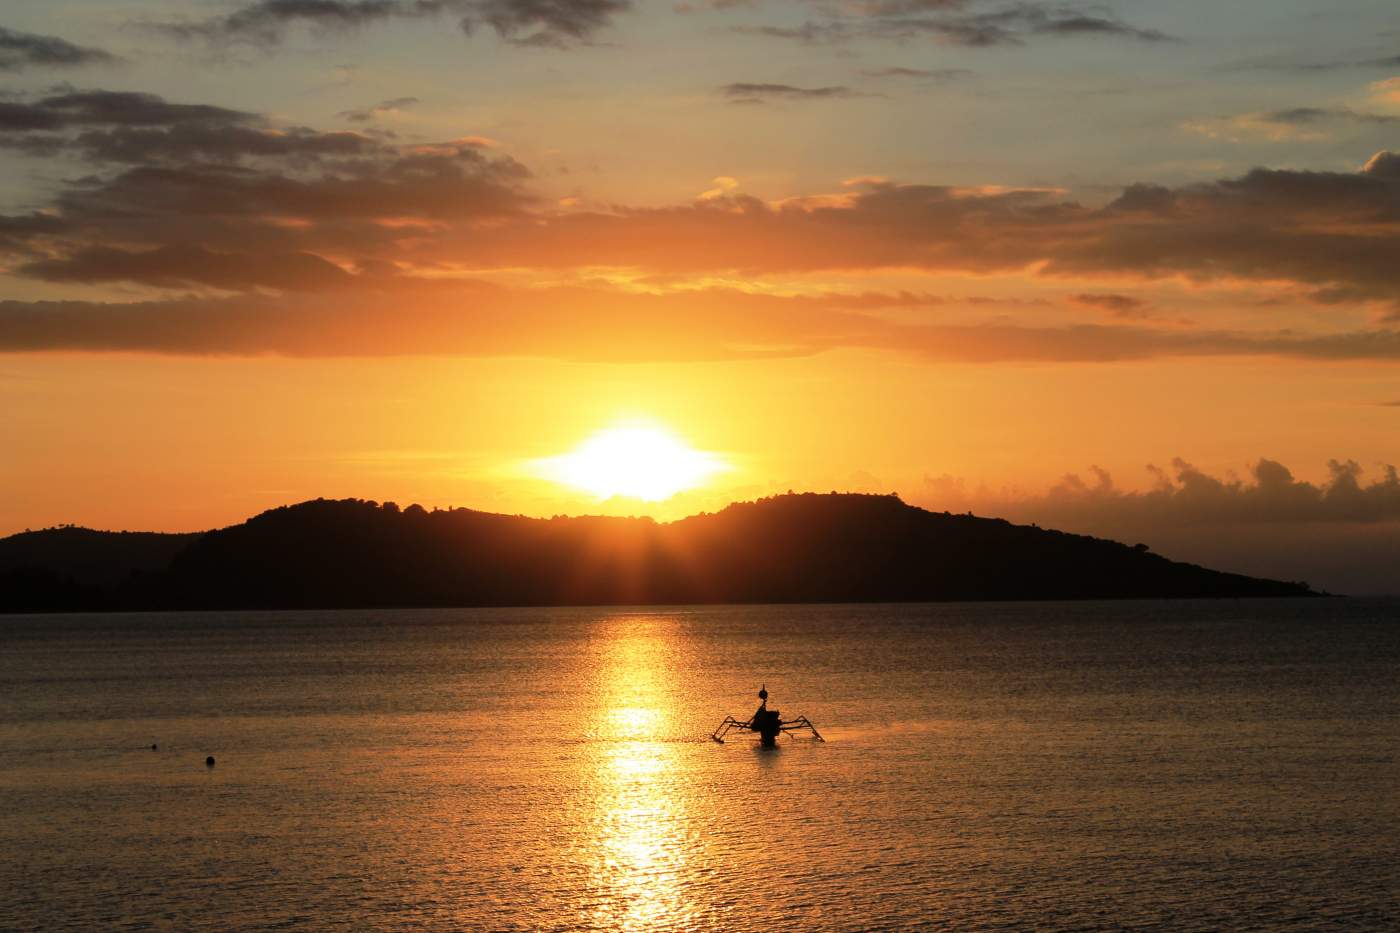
(638, 461)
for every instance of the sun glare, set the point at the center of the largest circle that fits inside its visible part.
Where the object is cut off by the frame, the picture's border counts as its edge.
(636, 461)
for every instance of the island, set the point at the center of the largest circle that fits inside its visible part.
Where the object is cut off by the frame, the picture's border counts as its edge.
(793, 548)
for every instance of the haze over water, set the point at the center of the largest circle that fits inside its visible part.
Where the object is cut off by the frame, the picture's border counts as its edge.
(1185, 765)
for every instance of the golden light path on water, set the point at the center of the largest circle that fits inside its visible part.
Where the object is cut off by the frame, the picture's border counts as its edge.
(642, 847)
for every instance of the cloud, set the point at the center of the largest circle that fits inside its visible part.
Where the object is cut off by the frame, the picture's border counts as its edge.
(1121, 306)
(1384, 164)
(74, 108)
(266, 22)
(125, 127)
(925, 74)
(966, 23)
(20, 235)
(1291, 124)
(1321, 230)
(20, 50)
(1302, 115)
(552, 23)
(181, 266)
(1068, 24)
(396, 105)
(764, 93)
(194, 186)
(187, 197)
(1340, 534)
(1185, 495)
(808, 33)
(385, 314)
(196, 175)
(1343, 64)
(545, 23)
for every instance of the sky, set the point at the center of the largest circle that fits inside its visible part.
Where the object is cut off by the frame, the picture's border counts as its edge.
(1123, 268)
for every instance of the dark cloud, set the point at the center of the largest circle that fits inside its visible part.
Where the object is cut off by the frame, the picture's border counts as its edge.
(265, 22)
(1384, 164)
(187, 196)
(1271, 494)
(1185, 495)
(22, 234)
(924, 74)
(366, 114)
(433, 186)
(183, 144)
(1321, 230)
(180, 266)
(909, 7)
(545, 23)
(196, 185)
(809, 32)
(1361, 63)
(386, 314)
(554, 23)
(966, 23)
(1341, 534)
(1299, 116)
(26, 117)
(1012, 26)
(113, 108)
(20, 50)
(119, 126)
(1123, 306)
(1084, 24)
(214, 143)
(763, 93)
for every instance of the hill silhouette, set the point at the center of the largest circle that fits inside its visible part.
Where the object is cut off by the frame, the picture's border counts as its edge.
(78, 568)
(790, 548)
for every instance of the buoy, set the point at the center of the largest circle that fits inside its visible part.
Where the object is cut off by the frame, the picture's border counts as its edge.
(209, 762)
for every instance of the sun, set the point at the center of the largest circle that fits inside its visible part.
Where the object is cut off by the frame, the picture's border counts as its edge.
(637, 461)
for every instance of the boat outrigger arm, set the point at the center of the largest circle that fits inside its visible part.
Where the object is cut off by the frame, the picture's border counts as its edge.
(768, 723)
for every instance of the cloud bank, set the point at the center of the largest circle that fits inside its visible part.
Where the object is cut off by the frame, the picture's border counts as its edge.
(1341, 534)
(267, 237)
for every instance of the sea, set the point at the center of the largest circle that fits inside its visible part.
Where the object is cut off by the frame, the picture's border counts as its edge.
(1182, 765)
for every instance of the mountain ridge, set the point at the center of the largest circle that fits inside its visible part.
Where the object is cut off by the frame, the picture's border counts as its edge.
(792, 548)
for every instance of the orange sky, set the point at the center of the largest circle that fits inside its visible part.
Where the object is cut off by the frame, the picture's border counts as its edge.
(951, 250)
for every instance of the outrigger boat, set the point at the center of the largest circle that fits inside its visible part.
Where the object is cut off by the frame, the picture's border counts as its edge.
(768, 723)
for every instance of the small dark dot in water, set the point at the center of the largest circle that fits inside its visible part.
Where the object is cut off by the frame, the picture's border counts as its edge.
(209, 762)
(153, 746)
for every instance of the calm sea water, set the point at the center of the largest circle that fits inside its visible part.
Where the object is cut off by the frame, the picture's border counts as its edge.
(1184, 765)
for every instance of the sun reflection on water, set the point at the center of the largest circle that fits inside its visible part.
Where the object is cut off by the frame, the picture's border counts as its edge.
(640, 850)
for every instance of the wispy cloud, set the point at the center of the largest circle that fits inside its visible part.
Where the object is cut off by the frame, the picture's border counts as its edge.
(938, 75)
(20, 50)
(1120, 306)
(746, 93)
(553, 23)
(366, 114)
(967, 23)
(1288, 124)
(1361, 62)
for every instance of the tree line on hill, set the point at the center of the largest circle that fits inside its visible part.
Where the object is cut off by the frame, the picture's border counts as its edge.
(788, 548)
